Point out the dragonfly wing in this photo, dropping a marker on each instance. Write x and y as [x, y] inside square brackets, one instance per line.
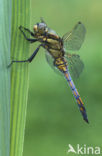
[50, 61]
[74, 39]
[75, 64]
[42, 20]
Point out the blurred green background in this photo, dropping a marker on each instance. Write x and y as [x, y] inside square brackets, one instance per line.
[53, 118]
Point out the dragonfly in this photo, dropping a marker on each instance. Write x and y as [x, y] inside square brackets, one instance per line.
[57, 53]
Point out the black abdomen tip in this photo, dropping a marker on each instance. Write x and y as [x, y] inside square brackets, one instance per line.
[86, 120]
[79, 22]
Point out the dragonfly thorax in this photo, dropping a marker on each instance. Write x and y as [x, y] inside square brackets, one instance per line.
[50, 40]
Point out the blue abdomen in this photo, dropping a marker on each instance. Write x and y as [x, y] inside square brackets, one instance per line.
[76, 95]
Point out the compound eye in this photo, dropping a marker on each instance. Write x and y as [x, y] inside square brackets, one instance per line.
[42, 25]
[35, 28]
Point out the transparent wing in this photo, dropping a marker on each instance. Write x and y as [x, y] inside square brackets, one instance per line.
[42, 20]
[50, 61]
[74, 39]
[75, 64]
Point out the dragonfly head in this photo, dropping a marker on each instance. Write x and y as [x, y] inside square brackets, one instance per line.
[40, 28]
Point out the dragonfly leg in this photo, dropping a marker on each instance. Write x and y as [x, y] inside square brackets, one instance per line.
[29, 59]
[34, 53]
[32, 34]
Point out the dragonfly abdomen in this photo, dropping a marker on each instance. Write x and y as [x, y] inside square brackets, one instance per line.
[61, 64]
[76, 95]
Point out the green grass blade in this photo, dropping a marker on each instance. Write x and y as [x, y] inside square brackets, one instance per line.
[5, 37]
[19, 75]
